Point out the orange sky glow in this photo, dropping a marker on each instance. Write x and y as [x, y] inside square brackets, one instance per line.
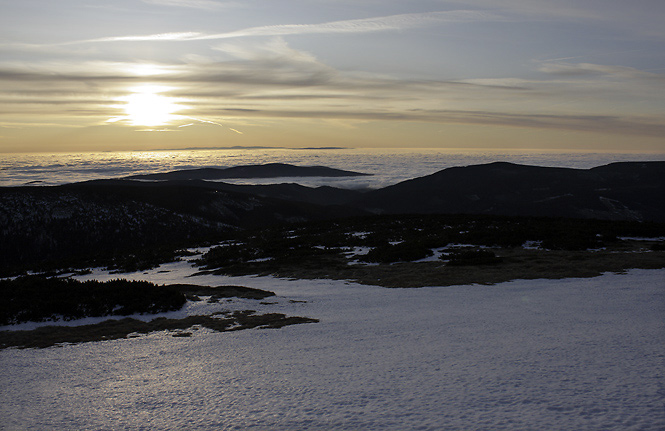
[158, 74]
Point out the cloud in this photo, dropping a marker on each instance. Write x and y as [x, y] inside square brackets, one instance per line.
[608, 124]
[354, 26]
[30, 125]
[589, 69]
[262, 68]
[573, 9]
[274, 50]
[270, 79]
[196, 4]
[366, 25]
[642, 17]
[159, 37]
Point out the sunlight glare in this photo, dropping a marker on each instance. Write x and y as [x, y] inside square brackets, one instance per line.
[147, 107]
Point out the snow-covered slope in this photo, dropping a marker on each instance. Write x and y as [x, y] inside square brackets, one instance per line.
[540, 354]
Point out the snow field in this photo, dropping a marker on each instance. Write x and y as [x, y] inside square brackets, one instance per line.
[539, 354]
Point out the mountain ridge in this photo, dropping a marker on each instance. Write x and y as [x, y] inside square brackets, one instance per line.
[119, 216]
[618, 191]
[268, 170]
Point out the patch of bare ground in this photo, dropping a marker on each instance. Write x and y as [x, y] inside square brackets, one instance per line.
[514, 263]
[128, 328]
[22, 294]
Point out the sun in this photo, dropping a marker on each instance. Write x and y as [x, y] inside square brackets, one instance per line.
[147, 107]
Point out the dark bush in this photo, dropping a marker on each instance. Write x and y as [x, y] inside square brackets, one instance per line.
[225, 255]
[38, 299]
[406, 251]
[572, 241]
[658, 247]
[472, 257]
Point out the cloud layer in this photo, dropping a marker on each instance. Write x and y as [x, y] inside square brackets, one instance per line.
[354, 26]
[272, 80]
[196, 4]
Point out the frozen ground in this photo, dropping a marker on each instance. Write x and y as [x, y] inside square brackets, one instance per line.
[582, 354]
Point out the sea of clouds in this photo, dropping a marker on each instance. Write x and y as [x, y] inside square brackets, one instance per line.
[387, 166]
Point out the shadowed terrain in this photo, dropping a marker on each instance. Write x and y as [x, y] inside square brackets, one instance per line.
[441, 250]
[618, 191]
[133, 225]
[270, 170]
[38, 299]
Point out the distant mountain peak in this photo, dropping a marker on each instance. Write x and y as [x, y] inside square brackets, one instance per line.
[268, 170]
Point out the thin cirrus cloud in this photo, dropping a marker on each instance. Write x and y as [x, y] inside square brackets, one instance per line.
[386, 23]
[195, 4]
[626, 126]
[365, 25]
[590, 69]
[643, 18]
[143, 38]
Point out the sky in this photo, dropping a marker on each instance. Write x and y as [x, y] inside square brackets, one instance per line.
[95, 75]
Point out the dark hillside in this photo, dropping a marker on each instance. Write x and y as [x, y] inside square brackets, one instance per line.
[620, 191]
[137, 224]
[50, 226]
[270, 170]
[234, 206]
[324, 195]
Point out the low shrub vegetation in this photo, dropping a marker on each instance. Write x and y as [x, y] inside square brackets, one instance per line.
[406, 251]
[472, 257]
[48, 336]
[397, 243]
[33, 298]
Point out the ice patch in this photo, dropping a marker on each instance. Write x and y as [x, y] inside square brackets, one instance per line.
[261, 259]
[435, 257]
[532, 245]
